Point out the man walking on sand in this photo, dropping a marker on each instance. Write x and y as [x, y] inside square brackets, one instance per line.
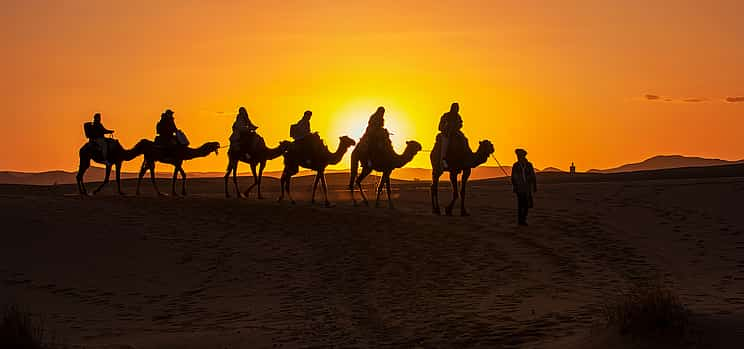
[524, 182]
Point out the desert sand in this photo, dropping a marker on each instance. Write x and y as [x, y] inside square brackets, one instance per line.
[209, 272]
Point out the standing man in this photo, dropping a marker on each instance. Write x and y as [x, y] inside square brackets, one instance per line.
[524, 182]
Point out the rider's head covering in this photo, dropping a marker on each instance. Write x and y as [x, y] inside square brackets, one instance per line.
[242, 111]
[307, 114]
[97, 117]
[455, 107]
[380, 110]
[520, 152]
[167, 114]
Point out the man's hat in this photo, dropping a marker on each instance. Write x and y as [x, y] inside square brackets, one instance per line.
[520, 152]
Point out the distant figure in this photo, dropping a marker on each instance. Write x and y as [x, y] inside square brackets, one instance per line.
[450, 125]
[96, 133]
[166, 129]
[572, 169]
[243, 128]
[524, 182]
[301, 129]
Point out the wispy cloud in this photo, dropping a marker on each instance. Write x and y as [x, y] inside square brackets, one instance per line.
[652, 97]
[735, 99]
[694, 100]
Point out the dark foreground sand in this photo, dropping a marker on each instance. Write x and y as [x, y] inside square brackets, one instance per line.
[208, 272]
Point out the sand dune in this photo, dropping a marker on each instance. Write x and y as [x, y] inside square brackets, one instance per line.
[209, 272]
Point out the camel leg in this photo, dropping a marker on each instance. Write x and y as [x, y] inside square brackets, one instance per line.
[105, 179]
[365, 172]
[231, 167]
[324, 186]
[261, 168]
[380, 186]
[386, 179]
[173, 182]
[281, 186]
[289, 193]
[141, 174]
[151, 168]
[464, 182]
[255, 180]
[315, 186]
[183, 180]
[435, 192]
[455, 193]
[118, 178]
[84, 165]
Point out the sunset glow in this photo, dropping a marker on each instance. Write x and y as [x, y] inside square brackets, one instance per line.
[569, 85]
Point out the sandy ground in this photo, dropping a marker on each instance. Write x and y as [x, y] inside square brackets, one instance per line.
[209, 272]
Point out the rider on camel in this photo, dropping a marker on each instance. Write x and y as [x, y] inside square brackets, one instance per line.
[450, 125]
[376, 137]
[96, 134]
[166, 130]
[243, 128]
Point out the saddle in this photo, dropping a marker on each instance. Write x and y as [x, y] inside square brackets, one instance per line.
[457, 143]
[308, 148]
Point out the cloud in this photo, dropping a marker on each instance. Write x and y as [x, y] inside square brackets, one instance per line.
[694, 100]
[735, 99]
[652, 97]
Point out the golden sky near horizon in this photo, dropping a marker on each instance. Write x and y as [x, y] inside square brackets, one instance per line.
[567, 80]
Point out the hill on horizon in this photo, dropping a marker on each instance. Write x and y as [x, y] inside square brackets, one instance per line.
[482, 172]
[661, 162]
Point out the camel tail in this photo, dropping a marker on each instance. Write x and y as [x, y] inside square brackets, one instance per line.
[353, 171]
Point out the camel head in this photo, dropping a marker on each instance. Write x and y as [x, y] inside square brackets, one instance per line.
[345, 142]
[212, 147]
[485, 147]
[413, 147]
[284, 144]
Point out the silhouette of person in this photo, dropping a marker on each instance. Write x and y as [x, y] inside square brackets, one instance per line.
[243, 128]
[166, 129]
[301, 129]
[572, 169]
[450, 125]
[376, 138]
[96, 133]
[524, 182]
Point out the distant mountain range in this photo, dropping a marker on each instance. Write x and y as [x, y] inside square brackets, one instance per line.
[667, 161]
[482, 172]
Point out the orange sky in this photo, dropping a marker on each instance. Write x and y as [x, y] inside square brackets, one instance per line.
[564, 79]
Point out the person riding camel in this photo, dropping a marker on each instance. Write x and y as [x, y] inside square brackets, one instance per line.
[376, 138]
[96, 133]
[450, 126]
[166, 130]
[243, 129]
[301, 129]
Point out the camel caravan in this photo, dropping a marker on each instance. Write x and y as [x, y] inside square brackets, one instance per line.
[373, 152]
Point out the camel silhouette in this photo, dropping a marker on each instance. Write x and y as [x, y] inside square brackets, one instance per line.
[384, 163]
[256, 156]
[175, 157]
[460, 158]
[311, 153]
[116, 156]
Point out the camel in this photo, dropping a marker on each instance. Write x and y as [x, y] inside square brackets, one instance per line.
[116, 156]
[384, 163]
[311, 153]
[460, 158]
[258, 156]
[175, 157]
